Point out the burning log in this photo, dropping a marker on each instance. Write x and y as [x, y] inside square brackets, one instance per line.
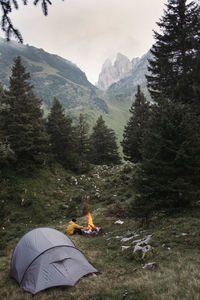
[91, 229]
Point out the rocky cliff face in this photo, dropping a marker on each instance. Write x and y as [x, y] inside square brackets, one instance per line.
[110, 74]
[126, 88]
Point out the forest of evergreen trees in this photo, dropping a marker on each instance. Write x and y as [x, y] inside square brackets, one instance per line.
[28, 140]
[162, 137]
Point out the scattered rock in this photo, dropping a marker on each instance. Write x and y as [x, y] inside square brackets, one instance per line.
[118, 237]
[22, 202]
[125, 295]
[125, 247]
[132, 233]
[150, 265]
[164, 245]
[127, 239]
[146, 240]
[65, 206]
[119, 222]
[143, 250]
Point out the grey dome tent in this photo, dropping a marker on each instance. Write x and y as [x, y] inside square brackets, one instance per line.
[45, 257]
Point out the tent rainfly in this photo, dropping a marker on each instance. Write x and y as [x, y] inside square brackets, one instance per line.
[45, 257]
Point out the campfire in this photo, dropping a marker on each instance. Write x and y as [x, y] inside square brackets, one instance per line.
[91, 229]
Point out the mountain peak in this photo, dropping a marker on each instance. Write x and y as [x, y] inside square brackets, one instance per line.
[107, 64]
[121, 56]
[113, 73]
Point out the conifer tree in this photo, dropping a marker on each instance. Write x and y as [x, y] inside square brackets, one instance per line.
[1, 110]
[196, 85]
[174, 52]
[23, 120]
[5, 151]
[104, 149]
[61, 132]
[135, 128]
[83, 144]
[169, 174]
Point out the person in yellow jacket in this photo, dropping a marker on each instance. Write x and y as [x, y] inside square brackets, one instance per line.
[73, 228]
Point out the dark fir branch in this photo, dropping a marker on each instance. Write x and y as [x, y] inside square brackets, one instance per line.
[6, 23]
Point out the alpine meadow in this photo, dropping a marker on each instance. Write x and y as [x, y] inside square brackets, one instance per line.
[100, 183]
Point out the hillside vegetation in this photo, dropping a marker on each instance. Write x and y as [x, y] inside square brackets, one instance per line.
[50, 197]
[52, 76]
[148, 209]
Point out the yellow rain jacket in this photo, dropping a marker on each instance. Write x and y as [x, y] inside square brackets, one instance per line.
[71, 226]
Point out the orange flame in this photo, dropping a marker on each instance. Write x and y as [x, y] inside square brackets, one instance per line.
[91, 225]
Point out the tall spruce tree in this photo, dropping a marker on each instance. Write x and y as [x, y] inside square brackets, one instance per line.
[196, 85]
[23, 120]
[104, 149]
[4, 147]
[1, 120]
[6, 153]
[61, 132]
[135, 128]
[169, 174]
[174, 52]
[83, 144]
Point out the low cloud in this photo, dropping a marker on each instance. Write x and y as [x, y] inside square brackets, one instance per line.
[87, 32]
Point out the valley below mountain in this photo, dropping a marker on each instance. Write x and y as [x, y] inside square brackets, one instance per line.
[54, 76]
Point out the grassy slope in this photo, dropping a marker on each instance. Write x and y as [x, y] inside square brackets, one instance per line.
[176, 275]
[116, 119]
[51, 75]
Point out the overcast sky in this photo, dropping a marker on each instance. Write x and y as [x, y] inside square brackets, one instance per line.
[86, 32]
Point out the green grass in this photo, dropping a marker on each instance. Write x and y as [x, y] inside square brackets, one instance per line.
[175, 241]
[116, 119]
